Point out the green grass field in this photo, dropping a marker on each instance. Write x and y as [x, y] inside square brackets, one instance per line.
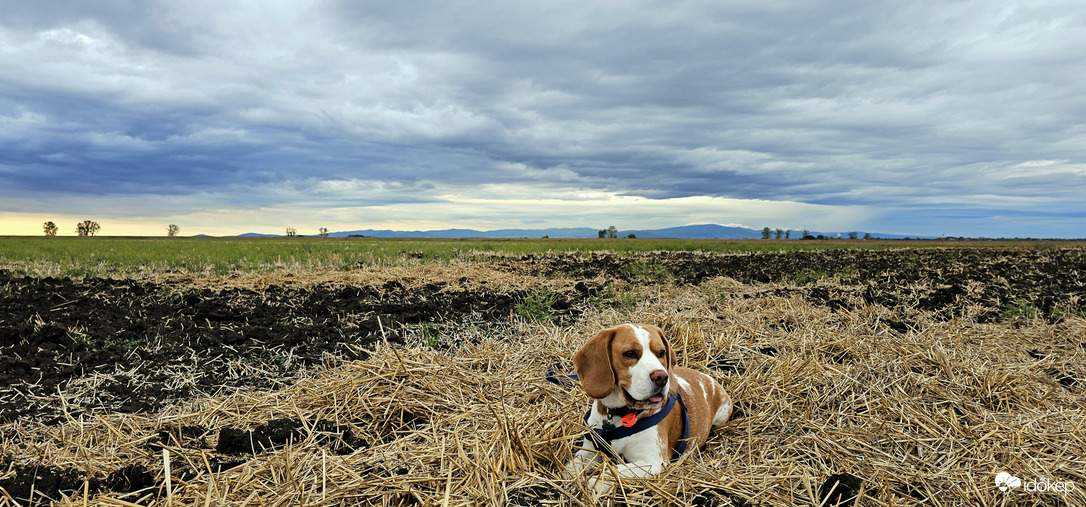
[128, 257]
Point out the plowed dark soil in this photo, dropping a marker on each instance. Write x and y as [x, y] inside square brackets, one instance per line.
[145, 345]
[943, 281]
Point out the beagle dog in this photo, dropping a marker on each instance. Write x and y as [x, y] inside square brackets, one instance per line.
[646, 409]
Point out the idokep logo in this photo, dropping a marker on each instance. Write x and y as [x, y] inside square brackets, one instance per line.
[1005, 481]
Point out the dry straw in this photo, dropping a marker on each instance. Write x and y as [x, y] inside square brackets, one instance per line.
[923, 416]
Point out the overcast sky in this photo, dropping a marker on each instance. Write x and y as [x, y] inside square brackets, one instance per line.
[922, 118]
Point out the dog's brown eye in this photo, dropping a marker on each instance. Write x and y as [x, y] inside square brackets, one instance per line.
[660, 354]
[630, 354]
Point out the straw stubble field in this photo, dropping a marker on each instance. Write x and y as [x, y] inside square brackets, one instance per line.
[909, 377]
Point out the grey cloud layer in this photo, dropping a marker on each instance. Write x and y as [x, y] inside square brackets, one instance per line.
[906, 105]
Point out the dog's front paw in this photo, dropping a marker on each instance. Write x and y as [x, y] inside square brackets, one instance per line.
[574, 469]
[601, 486]
[581, 462]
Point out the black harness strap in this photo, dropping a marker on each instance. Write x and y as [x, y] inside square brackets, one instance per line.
[686, 431]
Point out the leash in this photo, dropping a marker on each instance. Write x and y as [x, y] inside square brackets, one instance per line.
[558, 379]
[602, 437]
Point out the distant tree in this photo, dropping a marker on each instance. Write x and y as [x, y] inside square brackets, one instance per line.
[87, 228]
[291, 232]
[172, 230]
[612, 232]
[632, 236]
[50, 229]
[867, 235]
[766, 232]
[603, 234]
[853, 235]
[778, 233]
[324, 232]
[806, 234]
[788, 234]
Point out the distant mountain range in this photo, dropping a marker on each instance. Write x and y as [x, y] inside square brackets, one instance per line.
[705, 231]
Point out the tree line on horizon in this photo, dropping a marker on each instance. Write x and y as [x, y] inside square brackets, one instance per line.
[768, 233]
[84, 228]
[89, 228]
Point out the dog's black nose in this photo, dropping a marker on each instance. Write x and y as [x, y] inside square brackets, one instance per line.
[659, 377]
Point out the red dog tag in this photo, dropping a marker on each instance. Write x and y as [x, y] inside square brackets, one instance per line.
[629, 420]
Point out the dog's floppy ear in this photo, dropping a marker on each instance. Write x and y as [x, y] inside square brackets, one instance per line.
[669, 350]
[593, 363]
